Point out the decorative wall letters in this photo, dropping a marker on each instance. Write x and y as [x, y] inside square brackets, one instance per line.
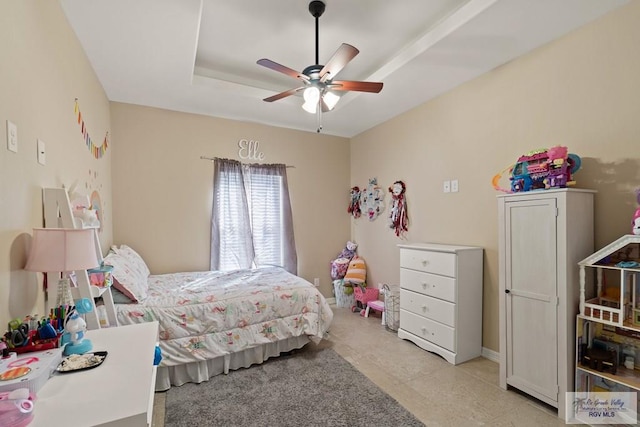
[249, 149]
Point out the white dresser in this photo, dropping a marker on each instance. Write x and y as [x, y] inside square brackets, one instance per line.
[441, 299]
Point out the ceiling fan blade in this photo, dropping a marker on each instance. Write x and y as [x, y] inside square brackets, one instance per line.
[283, 94]
[343, 55]
[345, 85]
[282, 69]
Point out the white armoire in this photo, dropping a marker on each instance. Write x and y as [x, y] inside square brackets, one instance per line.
[543, 235]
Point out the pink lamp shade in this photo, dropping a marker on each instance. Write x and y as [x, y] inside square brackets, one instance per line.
[62, 249]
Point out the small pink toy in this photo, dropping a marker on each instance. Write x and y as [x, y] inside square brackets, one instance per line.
[16, 408]
[635, 229]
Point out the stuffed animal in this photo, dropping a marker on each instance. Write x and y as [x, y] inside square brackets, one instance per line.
[340, 265]
[636, 223]
[349, 251]
[357, 272]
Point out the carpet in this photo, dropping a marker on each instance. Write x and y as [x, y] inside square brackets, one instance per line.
[302, 388]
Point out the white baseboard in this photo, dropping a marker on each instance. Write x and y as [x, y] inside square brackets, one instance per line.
[491, 355]
[331, 301]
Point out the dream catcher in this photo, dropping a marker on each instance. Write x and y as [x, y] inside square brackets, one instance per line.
[398, 217]
[354, 203]
[372, 200]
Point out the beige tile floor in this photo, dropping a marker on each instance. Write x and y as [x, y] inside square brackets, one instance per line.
[436, 392]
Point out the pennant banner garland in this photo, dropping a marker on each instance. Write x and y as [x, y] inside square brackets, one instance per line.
[97, 151]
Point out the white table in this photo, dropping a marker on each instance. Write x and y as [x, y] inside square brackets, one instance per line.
[117, 393]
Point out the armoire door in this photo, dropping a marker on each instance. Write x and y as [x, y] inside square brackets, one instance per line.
[532, 297]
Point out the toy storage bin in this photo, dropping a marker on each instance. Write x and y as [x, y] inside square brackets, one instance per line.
[101, 276]
[342, 299]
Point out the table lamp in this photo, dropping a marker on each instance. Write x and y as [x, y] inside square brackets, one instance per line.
[62, 250]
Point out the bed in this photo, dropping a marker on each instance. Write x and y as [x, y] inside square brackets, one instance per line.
[212, 321]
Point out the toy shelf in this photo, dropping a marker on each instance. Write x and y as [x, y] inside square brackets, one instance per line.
[592, 334]
[626, 377]
[609, 318]
[96, 292]
[58, 213]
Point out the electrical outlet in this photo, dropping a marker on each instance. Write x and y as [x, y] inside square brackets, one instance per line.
[454, 185]
[316, 282]
[12, 137]
[446, 187]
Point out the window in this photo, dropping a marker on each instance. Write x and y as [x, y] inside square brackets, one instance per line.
[264, 197]
[251, 220]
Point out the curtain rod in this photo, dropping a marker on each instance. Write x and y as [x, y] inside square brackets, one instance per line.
[219, 158]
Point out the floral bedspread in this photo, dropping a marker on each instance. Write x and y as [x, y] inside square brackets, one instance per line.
[204, 315]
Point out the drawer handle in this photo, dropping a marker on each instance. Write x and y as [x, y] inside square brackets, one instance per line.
[424, 285]
[425, 308]
[424, 262]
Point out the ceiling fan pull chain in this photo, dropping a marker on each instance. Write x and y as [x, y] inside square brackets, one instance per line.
[319, 116]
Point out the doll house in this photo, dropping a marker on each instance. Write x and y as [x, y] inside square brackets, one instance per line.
[612, 272]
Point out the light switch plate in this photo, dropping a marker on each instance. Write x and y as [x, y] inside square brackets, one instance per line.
[12, 137]
[446, 187]
[41, 153]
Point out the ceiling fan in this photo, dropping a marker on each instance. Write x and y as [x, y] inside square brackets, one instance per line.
[318, 81]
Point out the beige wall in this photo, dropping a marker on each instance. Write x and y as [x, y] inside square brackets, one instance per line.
[581, 91]
[43, 70]
[163, 190]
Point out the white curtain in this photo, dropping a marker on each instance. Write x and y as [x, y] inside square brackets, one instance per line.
[251, 223]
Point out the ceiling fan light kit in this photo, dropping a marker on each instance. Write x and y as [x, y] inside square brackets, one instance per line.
[318, 85]
[311, 97]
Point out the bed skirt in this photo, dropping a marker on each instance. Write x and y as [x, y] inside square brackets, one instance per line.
[197, 372]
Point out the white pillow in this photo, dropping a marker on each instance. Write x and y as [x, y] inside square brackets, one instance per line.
[133, 258]
[128, 277]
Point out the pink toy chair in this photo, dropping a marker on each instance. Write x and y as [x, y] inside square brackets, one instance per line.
[363, 296]
[376, 305]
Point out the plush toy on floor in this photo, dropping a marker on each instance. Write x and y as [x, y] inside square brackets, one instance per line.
[339, 268]
[340, 265]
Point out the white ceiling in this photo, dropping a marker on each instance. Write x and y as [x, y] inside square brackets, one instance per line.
[199, 56]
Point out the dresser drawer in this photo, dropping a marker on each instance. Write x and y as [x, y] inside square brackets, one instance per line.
[430, 262]
[433, 308]
[435, 332]
[428, 284]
